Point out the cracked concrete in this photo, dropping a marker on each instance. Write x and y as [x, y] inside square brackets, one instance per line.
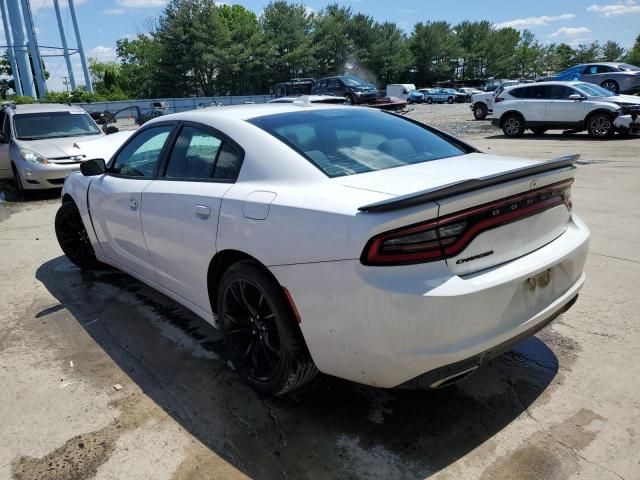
[561, 405]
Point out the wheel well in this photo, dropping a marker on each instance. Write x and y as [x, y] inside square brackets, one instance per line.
[591, 114]
[479, 104]
[510, 112]
[609, 80]
[220, 263]
[66, 198]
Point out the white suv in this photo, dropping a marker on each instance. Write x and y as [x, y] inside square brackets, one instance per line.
[571, 106]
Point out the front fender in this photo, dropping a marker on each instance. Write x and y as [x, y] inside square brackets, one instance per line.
[76, 187]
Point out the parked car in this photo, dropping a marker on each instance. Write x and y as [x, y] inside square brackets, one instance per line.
[615, 76]
[294, 87]
[482, 103]
[468, 92]
[353, 88]
[405, 91]
[334, 239]
[454, 95]
[328, 99]
[37, 143]
[571, 106]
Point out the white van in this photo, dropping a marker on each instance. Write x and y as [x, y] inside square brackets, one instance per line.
[400, 90]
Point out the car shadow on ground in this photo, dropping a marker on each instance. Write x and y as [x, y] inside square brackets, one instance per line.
[336, 429]
[9, 193]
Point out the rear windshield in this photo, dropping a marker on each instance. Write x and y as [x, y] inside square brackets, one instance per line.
[37, 126]
[350, 141]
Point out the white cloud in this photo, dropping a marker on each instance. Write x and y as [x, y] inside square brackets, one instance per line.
[570, 32]
[102, 53]
[616, 9]
[114, 11]
[142, 3]
[534, 21]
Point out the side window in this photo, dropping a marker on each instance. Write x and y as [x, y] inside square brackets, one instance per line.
[560, 92]
[604, 69]
[537, 92]
[334, 84]
[517, 92]
[140, 156]
[228, 164]
[194, 155]
[590, 70]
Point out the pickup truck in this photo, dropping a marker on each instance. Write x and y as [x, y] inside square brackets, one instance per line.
[482, 103]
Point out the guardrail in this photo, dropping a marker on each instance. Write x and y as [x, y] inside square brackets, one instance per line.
[175, 104]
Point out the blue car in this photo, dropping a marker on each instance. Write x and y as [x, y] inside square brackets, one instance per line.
[415, 97]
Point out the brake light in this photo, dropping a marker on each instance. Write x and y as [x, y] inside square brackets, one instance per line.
[498, 99]
[450, 235]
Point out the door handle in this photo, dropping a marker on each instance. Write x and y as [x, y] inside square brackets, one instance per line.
[133, 203]
[203, 211]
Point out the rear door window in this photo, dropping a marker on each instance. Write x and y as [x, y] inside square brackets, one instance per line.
[560, 92]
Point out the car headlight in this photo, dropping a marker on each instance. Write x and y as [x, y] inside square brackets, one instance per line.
[32, 157]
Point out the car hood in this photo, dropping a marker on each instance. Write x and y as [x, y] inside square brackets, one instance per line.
[624, 99]
[57, 147]
[436, 173]
[482, 96]
[105, 146]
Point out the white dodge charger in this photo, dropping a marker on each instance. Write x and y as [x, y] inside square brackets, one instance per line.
[337, 239]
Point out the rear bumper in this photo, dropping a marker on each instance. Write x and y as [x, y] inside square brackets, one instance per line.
[384, 326]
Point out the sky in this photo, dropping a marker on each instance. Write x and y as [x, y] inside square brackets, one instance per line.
[103, 22]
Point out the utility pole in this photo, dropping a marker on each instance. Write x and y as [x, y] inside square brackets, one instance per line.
[65, 47]
[83, 59]
[65, 82]
[33, 49]
[10, 52]
[20, 48]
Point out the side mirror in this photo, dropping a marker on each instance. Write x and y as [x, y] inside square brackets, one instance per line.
[111, 129]
[575, 96]
[90, 168]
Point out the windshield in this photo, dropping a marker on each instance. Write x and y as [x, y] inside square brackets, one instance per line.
[349, 141]
[37, 126]
[594, 90]
[353, 81]
[628, 68]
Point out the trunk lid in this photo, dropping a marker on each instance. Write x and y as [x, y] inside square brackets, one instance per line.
[506, 208]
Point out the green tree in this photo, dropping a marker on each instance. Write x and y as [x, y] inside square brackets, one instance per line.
[588, 52]
[434, 46]
[390, 55]
[529, 55]
[508, 54]
[139, 66]
[612, 51]
[633, 57]
[332, 39]
[286, 29]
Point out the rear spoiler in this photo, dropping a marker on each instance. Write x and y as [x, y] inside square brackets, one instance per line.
[465, 186]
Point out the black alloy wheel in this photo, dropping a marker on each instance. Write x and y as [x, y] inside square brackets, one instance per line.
[513, 125]
[429, 100]
[611, 85]
[73, 238]
[600, 125]
[480, 112]
[261, 338]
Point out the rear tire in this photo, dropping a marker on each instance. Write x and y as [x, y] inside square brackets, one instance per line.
[261, 336]
[429, 100]
[450, 100]
[349, 98]
[480, 111]
[611, 85]
[600, 125]
[513, 125]
[73, 239]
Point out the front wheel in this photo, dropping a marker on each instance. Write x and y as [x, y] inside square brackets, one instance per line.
[429, 100]
[480, 111]
[600, 125]
[350, 99]
[260, 333]
[450, 100]
[513, 125]
[73, 238]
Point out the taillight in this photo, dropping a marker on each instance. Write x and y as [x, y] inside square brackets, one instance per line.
[498, 99]
[450, 235]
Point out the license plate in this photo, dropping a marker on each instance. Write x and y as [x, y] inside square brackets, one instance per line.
[540, 280]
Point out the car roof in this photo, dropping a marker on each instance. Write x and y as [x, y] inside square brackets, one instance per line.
[312, 98]
[244, 112]
[45, 108]
[549, 82]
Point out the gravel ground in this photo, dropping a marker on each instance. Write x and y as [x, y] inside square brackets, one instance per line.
[456, 119]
